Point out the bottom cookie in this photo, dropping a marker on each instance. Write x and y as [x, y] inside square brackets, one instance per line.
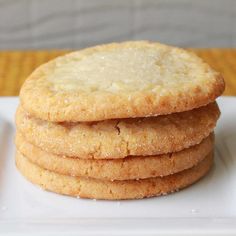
[111, 190]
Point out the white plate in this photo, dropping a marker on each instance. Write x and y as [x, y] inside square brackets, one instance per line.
[207, 207]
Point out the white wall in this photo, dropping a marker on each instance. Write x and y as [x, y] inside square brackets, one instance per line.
[80, 23]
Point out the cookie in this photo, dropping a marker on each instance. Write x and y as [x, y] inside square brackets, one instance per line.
[119, 169]
[112, 190]
[113, 139]
[120, 80]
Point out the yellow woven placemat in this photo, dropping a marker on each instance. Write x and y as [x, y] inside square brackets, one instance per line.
[15, 66]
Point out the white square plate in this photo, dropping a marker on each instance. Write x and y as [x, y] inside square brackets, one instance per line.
[207, 207]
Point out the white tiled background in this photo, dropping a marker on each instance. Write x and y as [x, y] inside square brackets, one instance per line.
[80, 23]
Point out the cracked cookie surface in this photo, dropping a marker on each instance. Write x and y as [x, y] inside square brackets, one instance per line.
[113, 139]
[111, 190]
[119, 169]
[120, 80]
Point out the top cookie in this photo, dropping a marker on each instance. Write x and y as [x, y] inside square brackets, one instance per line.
[120, 80]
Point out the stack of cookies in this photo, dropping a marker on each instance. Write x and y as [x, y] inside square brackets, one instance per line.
[118, 121]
